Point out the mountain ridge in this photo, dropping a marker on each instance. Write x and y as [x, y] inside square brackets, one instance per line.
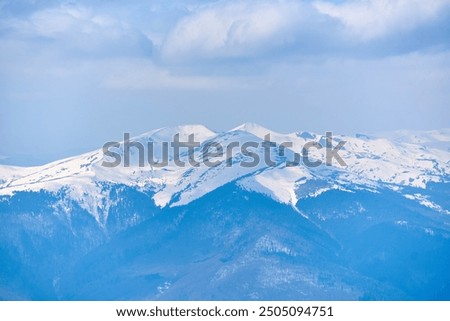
[371, 162]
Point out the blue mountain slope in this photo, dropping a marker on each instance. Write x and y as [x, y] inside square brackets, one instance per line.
[230, 245]
[389, 238]
[40, 238]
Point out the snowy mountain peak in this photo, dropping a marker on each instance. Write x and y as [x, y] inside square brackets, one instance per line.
[254, 129]
[166, 134]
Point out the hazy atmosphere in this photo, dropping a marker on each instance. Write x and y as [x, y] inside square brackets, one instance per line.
[75, 74]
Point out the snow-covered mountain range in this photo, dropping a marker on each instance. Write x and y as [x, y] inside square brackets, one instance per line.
[78, 224]
[408, 159]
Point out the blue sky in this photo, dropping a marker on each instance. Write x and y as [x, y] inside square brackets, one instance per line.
[74, 74]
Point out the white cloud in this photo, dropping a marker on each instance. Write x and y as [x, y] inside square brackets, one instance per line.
[258, 28]
[76, 29]
[369, 19]
[233, 29]
[54, 22]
